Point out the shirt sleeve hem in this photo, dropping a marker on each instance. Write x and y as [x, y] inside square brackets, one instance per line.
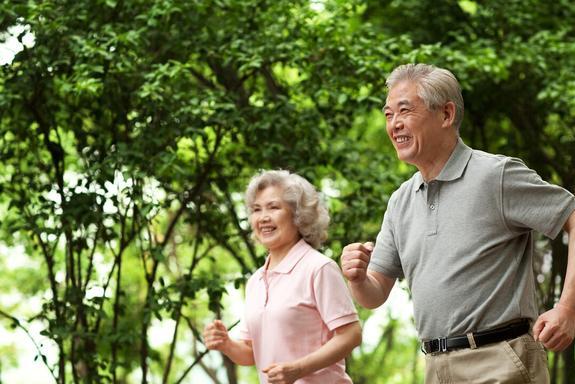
[244, 336]
[562, 220]
[342, 320]
[388, 272]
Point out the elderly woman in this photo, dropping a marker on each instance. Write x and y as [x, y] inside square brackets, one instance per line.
[299, 320]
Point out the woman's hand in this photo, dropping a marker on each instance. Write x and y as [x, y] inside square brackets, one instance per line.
[345, 339]
[282, 373]
[216, 336]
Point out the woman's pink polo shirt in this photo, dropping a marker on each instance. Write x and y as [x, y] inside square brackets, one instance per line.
[294, 309]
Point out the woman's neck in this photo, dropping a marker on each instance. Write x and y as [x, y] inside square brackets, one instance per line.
[278, 254]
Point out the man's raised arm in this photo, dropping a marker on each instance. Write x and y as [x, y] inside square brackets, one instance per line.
[369, 288]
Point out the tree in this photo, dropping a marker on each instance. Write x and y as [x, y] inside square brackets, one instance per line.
[128, 130]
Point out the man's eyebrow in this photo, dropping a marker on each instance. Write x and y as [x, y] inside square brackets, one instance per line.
[401, 103]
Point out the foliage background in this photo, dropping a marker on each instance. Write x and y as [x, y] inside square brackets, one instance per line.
[129, 128]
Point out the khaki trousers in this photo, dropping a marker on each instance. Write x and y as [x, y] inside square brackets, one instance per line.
[517, 361]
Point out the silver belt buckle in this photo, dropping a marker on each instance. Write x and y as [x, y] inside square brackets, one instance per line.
[443, 344]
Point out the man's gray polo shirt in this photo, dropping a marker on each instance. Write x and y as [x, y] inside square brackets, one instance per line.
[464, 241]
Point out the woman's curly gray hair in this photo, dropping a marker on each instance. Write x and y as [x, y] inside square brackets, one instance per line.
[310, 214]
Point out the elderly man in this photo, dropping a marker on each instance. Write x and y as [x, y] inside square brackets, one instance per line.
[461, 233]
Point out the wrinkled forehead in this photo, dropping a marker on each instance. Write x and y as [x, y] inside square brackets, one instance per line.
[402, 94]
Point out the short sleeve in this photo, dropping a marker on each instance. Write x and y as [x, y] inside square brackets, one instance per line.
[531, 203]
[385, 256]
[243, 332]
[333, 299]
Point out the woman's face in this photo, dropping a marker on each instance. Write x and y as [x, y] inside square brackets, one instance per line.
[272, 220]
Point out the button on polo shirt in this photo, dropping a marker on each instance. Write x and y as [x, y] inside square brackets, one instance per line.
[464, 241]
[292, 310]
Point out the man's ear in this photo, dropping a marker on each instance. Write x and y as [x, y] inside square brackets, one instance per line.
[448, 114]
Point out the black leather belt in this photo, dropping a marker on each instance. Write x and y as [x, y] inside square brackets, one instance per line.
[508, 332]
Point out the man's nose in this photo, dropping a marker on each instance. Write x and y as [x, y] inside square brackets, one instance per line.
[396, 122]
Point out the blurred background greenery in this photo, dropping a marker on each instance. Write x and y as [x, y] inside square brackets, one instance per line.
[129, 128]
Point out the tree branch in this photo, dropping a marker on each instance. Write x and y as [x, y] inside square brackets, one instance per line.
[200, 356]
[18, 324]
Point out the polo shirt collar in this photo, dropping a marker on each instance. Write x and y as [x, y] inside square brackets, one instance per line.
[417, 181]
[454, 167]
[295, 254]
[457, 162]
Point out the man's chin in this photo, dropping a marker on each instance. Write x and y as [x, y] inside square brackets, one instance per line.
[403, 155]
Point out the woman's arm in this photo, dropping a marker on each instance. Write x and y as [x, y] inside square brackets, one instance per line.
[216, 337]
[345, 339]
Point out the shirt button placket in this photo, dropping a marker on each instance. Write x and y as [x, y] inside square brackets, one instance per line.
[267, 288]
[432, 197]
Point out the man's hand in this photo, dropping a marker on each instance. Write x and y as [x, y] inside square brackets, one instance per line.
[216, 336]
[282, 373]
[354, 261]
[555, 328]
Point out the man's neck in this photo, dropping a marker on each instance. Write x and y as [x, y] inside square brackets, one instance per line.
[432, 168]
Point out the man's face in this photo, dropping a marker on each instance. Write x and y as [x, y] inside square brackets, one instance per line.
[414, 130]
